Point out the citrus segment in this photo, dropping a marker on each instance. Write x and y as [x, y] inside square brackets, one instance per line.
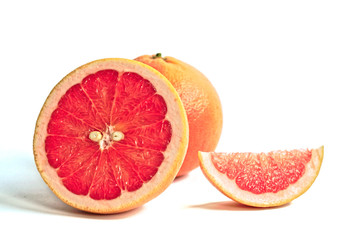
[105, 130]
[262, 179]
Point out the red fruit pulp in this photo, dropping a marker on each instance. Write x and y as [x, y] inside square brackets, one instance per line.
[105, 102]
[263, 172]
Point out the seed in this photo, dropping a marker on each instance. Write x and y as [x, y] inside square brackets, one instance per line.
[117, 136]
[95, 136]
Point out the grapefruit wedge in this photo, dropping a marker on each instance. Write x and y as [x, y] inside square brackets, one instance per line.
[111, 136]
[262, 179]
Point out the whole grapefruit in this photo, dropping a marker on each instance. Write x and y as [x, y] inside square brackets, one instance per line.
[201, 103]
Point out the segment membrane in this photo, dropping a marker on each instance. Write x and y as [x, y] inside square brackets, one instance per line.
[156, 136]
[125, 174]
[144, 161]
[60, 149]
[104, 185]
[80, 179]
[77, 103]
[100, 89]
[131, 91]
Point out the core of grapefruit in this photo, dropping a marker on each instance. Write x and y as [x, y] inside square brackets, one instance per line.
[262, 179]
[111, 136]
[201, 102]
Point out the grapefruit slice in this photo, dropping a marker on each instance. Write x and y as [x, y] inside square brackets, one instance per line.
[111, 136]
[262, 179]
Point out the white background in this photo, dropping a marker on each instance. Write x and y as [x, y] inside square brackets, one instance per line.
[286, 73]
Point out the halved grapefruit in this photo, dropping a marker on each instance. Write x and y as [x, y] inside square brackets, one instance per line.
[111, 136]
[262, 179]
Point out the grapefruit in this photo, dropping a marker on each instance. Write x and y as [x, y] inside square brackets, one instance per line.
[111, 136]
[262, 179]
[201, 102]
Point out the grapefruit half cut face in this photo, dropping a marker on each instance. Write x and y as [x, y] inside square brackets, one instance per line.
[111, 136]
[262, 179]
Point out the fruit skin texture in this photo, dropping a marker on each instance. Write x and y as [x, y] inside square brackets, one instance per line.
[201, 103]
[231, 190]
[134, 199]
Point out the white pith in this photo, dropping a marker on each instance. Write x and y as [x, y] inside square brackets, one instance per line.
[232, 190]
[173, 156]
[108, 137]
